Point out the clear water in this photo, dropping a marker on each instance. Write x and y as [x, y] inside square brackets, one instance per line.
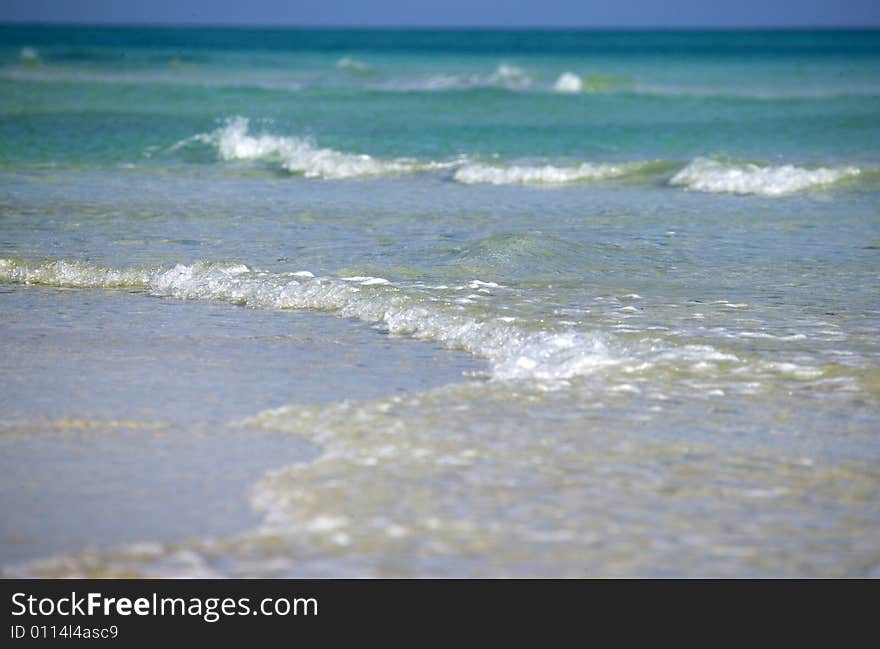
[456, 303]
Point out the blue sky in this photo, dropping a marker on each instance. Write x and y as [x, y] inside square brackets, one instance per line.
[495, 13]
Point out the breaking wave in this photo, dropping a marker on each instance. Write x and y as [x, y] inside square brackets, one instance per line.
[505, 77]
[568, 83]
[72, 274]
[514, 352]
[486, 319]
[476, 173]
[233, 141]
[715, 176]
[352, 65]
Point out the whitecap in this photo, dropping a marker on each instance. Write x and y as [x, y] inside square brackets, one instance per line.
[480, 173]
[715, 176]
[513, 352]
[29, 55]
[568, 83]
[233, 141]
[347, 63]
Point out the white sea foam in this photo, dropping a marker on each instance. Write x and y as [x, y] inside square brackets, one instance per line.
[353, 65]
[505, 71]
[513, 352]
[234, 141]
[29, 55]
[365, 280]
[505, 75]
[511, 77]
[519, 348]
[568, 83]
[708, 175]
[514, 347]
[477, 173]
[72, 274]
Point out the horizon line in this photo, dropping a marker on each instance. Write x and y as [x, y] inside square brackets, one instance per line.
[441, 27]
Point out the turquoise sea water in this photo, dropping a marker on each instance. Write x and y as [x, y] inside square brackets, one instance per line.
[462, 303]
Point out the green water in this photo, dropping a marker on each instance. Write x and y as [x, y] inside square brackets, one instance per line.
[613, 296]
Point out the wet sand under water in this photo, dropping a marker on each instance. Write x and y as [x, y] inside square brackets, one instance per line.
[120, 410]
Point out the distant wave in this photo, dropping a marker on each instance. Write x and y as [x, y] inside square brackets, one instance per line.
[352, 65]
[505, 76]
[30, 65]
[172, 74]
[511, 77]
[357, 71]
[234, 141]
[708, 175]
[748, 94]
[29, 55]
[568, 83]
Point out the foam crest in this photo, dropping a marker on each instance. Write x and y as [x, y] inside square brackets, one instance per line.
[71, 274]
[234, 141]
[568, 83]
[517, 348]
[505, 71]
[352, 65]
[29, 55]
[514, 352]
[510, 76]
[708, 175]
[479, 173]
[505, 76]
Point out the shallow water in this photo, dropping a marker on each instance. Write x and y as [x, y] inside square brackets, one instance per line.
[120, 412]
[485, 304]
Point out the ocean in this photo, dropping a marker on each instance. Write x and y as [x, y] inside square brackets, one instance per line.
[377, 303]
